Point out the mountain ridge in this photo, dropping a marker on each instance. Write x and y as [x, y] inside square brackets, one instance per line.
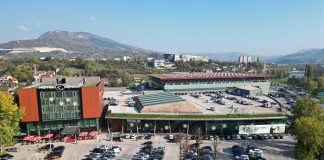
[78, 42]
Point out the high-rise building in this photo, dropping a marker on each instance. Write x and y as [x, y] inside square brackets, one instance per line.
[245, 59]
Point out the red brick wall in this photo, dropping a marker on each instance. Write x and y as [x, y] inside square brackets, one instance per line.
[28, 100]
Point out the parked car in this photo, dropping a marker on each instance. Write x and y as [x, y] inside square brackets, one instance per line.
[13, 149]
[6, 156]
[281, 136]
[270, 136]
[276, 136]
[261, 137]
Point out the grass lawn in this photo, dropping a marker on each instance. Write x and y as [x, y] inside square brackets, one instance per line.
[281, 80]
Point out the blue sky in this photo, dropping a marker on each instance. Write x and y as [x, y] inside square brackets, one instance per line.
[261, 27]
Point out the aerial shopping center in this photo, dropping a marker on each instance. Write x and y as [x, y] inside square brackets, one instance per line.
[217, 103]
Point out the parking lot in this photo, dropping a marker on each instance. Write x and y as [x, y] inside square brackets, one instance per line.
[254, 107]
[81, 150]
[273, 149]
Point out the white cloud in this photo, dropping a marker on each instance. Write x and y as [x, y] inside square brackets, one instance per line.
[38, 24]
[92, 18]
[23, 28]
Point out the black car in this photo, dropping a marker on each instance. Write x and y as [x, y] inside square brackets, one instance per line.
[98, 150]
[148, 143]
[244, 137]
[261, 137]
[254, 137]
[276, 136]
[233, 137]
[266, 136]
[281, 136]
[6, 156]
[237, 150]
[46, 147]
[59, 148]
[228, 137]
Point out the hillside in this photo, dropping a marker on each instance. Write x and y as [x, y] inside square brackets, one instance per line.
[73, 43]
[313, 56]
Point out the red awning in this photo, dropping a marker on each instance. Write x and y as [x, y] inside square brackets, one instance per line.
[58, 135]
[93, 133]
[83, 134]
[48, 135]
[28, 138]
[37, 138]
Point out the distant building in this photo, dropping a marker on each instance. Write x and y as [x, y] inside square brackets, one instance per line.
[8, 81]
[126, 58]
[245, 59]
[158, 63]
[38, 75]
[150, 59]
[296, 74]
[186, 58]
[169, 57]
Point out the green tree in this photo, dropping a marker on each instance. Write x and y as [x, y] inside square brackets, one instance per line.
[127, 79]
[10, 115]
[320, 83]
[259, 66]
[308, 71]
[309, 133]
[307, 108]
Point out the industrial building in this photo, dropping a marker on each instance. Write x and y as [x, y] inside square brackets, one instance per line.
[184, 82]
[57, 103]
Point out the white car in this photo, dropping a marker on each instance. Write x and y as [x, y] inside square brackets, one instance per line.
[116, 149]
[127, 136]
[133, 136]
[170, 137]
[105, 147]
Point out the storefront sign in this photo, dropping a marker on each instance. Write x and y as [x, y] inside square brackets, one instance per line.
[258, 129]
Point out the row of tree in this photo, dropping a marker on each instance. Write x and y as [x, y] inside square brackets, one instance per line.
[308, 125]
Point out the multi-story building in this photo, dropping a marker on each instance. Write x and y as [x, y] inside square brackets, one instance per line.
[245, 59]
[56, 103]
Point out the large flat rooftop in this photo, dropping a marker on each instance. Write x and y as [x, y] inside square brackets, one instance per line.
[204, 75]
[122, 110]
[75, 82]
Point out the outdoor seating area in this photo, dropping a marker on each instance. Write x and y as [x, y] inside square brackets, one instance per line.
[87, 135]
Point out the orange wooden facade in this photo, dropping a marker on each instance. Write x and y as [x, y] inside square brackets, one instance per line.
[29, 101]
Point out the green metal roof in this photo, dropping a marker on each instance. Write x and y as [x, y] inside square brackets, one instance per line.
[159, 98]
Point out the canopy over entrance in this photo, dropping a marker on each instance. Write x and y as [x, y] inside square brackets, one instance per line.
[70, 130]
